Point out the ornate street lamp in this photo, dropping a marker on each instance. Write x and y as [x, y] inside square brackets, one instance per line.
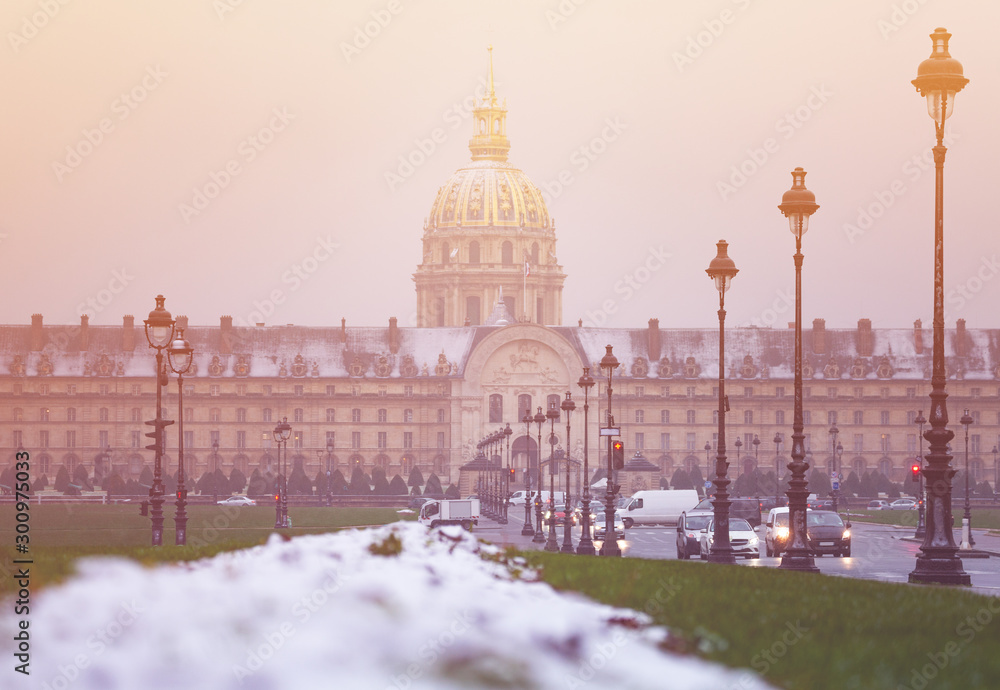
[837, 469]
[159, 333]
[996, 475]
[586, 545]
[756, 468]
[215, 477]
[722, 270]
[527, 530]
[539, 537]
[281, 433]
[179, 356]
[739, 468]
[967, 539]
[708, 461]
[329, 472]
[834, 433]
[921, 524]
[609, 547]
[777, 441]
[568, 406]
[797, 204]
[507, 432]
[939, 78]
[552, 414]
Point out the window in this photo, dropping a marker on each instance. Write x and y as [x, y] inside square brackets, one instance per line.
[747, 391]
[440, 439]
[299, 415]
[102, 414]
[188, 389]
[297, 439]
[885, 443]
[18, 388]
[779, 417]
[831, 392]
[104, 389]
[859, 417]
[382, 440]
[215, 414]
[507, 253]
[911, 443]
[137, 439]
[136, 414]
[779, 392]
[43, 389]
[213, 437]
[71, 389]
[664, 416]
[715, 418]
[17, 415]
[407, 439]
[383, 416]
[807, 417]
[331, 439]
[884, 417]
[331, 390]
[640, 391]
[445, 253]
[266, 390]
[975, 392]
[664, 441]
[690, 442]
[496, 408]
[975, 417]
[265, 414]
[640, 441]
[911, 392]
[690, 391]
[408, 416]
[974, 444]
[911, 417]
[102, 439]
[355, 439]
[473, 252]
[859, 443]
[241, 439]
[382, 391]
[136, 389]
[43, 439]
[665, 391]
[17, 439]
[831, 418]
[356, 414]
[241, 414]
[534, 253]
[355, 391]
[859, 392]
[214, 389]
[523, 405]
[807, 392]
[640, 416]
[188, 414]
[884, 392]
[43, 414]
[70, 414]
[690, 416]
[71, 439]
[299, 390]
[440, 415]
[331, 415]
[241, 389]
[748, 416]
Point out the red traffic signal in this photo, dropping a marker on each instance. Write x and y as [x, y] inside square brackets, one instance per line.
[618, 455]
[915, 472]
[511, 472]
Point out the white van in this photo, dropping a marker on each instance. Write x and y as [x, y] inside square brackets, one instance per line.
[517, 498]
[657, 507]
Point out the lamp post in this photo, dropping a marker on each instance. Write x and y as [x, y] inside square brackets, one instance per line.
[722, 270]
[539, 538]
[996, 474]
[329, 472]
[568, 406]
[609, 547]
[921, 524]
[834, 433]
[939, 78]
[739, 468]
[507, 432]
[756, 469]
[967, 539]
[837, 469]
[179, 356]
[281, 433]
[797, 204]
[215, 476]
[552, 414]
[586, 545]
[708, 461]
[777, 454]
[527, 530]
[159, 333]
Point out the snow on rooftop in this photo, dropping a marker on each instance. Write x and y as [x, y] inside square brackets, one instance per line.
[440, 610]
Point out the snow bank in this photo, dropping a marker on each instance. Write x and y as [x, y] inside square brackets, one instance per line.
[391, 608]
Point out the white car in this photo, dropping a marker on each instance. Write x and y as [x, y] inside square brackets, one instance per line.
[742, 538]
[600, 523]
[237, 501]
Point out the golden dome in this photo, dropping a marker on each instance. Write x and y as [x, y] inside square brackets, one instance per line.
[489, 193]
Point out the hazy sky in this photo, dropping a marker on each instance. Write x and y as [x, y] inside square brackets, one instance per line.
[225, 152]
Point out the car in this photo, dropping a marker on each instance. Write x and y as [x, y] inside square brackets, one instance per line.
[688, 534]
[417, 501]
[742, 538]
[776, 532]
[560, 515]
[237, 501]
[828, 533]
[903, 504]
[600, 527]
[878, 504]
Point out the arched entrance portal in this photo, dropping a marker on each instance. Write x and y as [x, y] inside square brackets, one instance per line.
[524, 456]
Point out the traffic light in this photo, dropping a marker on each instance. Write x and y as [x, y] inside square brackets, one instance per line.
[510, 472]
[915, 472]
[618, 455]
[181, 494]
[157, 433]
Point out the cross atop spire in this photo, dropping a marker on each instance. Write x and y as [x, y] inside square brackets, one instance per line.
[489, 134]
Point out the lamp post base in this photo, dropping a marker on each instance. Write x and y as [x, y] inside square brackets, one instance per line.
[941, 569]
[798, 561]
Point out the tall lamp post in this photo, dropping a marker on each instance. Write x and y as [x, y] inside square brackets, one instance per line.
[281, 433]
[527, 530]
[921, 524]
[777, 455]
[756, 468]
[739, 468]
[708, 462]
[967, 540]
[798, 204]
[329, 472]
[539, 537]
[507, 432]
[586, 545]
[552, 414]
[834, 433]
[939, 78]
[722, 270]
[609, 547]
[568, 406]
[996, 475]
[840, 464]
[215, 476]
[159, 333]
[179, 356]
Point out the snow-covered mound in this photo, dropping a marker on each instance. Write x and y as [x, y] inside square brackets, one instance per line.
[390, 608]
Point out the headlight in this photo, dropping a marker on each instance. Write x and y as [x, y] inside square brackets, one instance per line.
[752, 540]
[781, 533]
[847, 534]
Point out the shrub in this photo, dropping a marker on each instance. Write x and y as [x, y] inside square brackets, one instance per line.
[397, 487]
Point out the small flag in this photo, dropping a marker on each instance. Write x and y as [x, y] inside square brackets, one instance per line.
[527, 269]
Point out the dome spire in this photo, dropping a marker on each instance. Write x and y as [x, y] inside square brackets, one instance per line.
[489, 136]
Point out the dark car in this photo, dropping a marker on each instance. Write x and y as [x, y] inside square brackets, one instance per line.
[828, 533]
[688, 534]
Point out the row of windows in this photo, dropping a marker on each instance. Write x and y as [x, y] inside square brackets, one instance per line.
[473, 253]
[832, 418]
[213, 389]
[639, 391]
[215, 415]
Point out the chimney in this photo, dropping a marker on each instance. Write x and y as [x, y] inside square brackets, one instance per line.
[226, 335]
[84, 333]
[819, 336]
[960, 343]
[128, 333]
[343, 330]
[182, 322]
[918, 337]
[653, 340]
[393, 335]
[36, 332]
[864, 343]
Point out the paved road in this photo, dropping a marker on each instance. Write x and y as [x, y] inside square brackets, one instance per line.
[878, 552]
